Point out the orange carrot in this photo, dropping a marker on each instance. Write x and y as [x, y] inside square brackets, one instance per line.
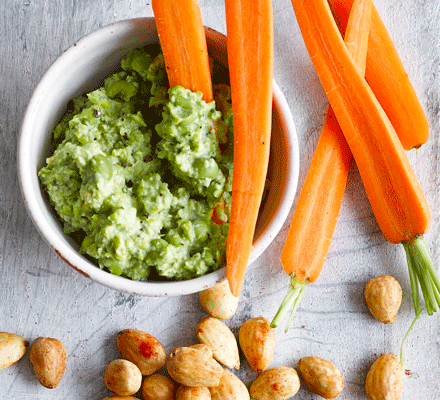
[182, 38]
[250, 57]
[317, 211]
[392, 187]
[388, 80]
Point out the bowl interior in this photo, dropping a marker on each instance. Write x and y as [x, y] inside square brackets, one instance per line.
[82, 68]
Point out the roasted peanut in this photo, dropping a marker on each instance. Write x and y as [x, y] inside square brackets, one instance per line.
[193, 393]
[229, 388]
[12, 348]
[192, 367]
[221, 340]
[158, 387]
[122, 377]
[384, 379]
[203, 347]
[383, 296]
[279, 383]
[257, 341]
[141, 349]
[48, 357]
[321, 376]
[120, 398]
[218, 301]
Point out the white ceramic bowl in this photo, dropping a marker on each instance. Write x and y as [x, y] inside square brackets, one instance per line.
[82, 68]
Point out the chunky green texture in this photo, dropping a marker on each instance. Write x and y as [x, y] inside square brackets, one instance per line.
[137, 171]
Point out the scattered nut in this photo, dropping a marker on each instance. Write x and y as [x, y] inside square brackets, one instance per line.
[321, 376]
[48, 357]
[257, 341]
[203, 347]
[383, 296]
[384, 379]
[12, 348]
[221, 340]
[230, 388]
[120, 398]
[279, 383]
[193, 393]
[141, 349]
[158, 387]
[193, 367]
[122, 377]
[218, 301]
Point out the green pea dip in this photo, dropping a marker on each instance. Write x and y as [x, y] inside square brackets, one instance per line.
[140, 175]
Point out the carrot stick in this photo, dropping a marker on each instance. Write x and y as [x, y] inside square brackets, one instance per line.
[392, 187]
[182, 38]
[250, 54]
[319, 203]
[388, 79]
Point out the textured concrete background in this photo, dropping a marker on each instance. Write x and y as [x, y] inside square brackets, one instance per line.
[41, 296]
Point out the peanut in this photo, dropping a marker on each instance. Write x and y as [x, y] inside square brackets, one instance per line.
[122, 377]
[193, 393]
[48, 357]
[120, 398]
[218, 301]
[383, 296]
[12, 349]
[384, 379]
[203, 347]
[141, 349]
[257, 341]
[192, 367]
[321, 376]
[221, 340]
[279, 383]
[230, 388]
[158, 387]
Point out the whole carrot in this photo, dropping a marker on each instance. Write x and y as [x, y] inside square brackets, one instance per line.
[250, 56]
[319, 203]
[388, 79]
[392, 187]
[182, 38]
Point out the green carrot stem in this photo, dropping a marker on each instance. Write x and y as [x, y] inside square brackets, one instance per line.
[422, 273]
[293, 297]
[402, 359]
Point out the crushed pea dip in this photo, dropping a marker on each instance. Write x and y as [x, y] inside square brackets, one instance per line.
[140, 175]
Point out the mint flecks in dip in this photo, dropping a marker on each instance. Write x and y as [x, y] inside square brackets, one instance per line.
[137, 173]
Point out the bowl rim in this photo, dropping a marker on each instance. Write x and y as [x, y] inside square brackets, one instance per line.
[85, 267]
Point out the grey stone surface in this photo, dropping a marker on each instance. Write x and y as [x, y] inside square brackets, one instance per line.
[41, 296]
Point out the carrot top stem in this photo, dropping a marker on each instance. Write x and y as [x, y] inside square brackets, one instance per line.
[293, 296]
[422, 273]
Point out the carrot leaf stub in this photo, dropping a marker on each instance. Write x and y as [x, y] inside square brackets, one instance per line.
[422, 274]
[293, 297]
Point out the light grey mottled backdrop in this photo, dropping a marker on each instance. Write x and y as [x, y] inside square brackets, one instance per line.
[42, 296]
